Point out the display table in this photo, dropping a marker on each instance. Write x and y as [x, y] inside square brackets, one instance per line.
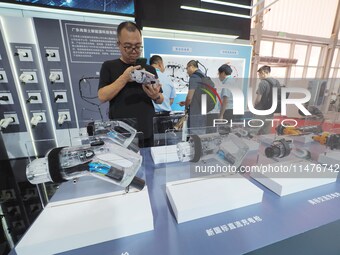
[234, 232]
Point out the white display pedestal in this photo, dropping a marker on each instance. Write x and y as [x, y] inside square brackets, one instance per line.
[164, 154]
[195, 198]
[268, 139]
[330, 158]
[302, 181]
[253, 145]
[75, 223]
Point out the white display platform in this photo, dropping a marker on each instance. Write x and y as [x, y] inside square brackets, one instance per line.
[195, 198]
[268, 139]
[330, 158]
[302, 181]
[75, 223]
[164, 154]
[253, 145]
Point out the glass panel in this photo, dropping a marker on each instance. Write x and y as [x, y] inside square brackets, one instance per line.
[334, 57]
[314, 56]
[300, 53]
[278, 72]
[281, 50]
[296, 72]
[338, 73]
[311, 72]
[266, 48]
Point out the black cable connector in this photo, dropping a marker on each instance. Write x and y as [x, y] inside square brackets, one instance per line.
[31, 98]
[4, 98]
[52, 55]
[58, 97]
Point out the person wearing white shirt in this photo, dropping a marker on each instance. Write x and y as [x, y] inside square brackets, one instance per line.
[168, 88]
[226, 109]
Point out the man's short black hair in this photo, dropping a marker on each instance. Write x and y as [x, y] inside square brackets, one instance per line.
[265, 69]
[193, 63]
[155, 59]
[129, 26]
[225, 69]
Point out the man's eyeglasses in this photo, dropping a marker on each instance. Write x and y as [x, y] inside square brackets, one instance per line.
[131, 48]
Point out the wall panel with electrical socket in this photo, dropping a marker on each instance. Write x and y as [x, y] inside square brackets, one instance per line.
[9, 100]
[26, 81]
[56, 70]
[33, 88]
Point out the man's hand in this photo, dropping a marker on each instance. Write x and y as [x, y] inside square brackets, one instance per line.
[182, 103]
[127, 73]
[152, 90]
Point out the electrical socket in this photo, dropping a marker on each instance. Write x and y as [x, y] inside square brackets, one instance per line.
[37, 94]
[13, 210]
[30, 74]
[67, 113]
[8, 193]
[25, 55]
[3, 77]
[60, 74]
[10, 98]
[14, 116]
[42, 114]
[52, 55]
[61, 100]
[34, 208]
[18, 225]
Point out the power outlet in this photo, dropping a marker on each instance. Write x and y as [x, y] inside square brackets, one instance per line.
[42, 114]
[8, 194]
[14, 116]
[35, 208]
[56, 77]
[18, 225]
[13, 210]
[25, 55]
[34, 94]
[28, 77]
[67, 113]
[9, 99]
[3, 77]
[52, 55]
[30, 193]
[60, 94]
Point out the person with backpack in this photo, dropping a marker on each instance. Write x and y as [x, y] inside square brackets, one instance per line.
[226, 109]
[193, 99]
[264, 96]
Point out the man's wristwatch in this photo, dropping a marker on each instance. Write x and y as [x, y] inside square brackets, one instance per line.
[157, 98]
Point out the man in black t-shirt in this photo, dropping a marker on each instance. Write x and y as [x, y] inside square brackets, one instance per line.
[129, 99]
[193, 100]
[263, 92]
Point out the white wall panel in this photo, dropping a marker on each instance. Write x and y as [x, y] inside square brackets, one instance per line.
[304, 17]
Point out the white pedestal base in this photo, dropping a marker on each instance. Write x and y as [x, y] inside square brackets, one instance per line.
[303, 181]
[330, 158]
[253, 145]
[164, 154]
[268, 139]
[75, 223]
[200, 197]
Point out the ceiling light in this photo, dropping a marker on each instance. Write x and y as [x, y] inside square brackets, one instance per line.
[190, 8]
[228, 4]
[189, 32]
